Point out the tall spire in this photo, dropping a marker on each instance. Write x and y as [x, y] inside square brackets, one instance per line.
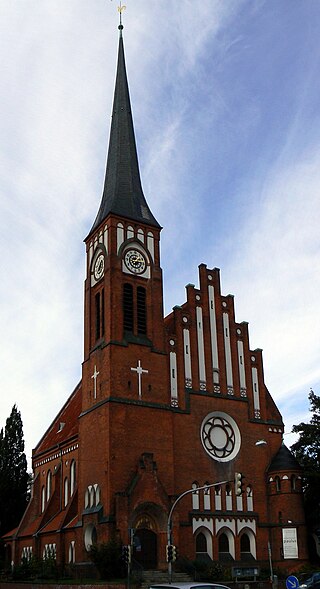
[123, 194]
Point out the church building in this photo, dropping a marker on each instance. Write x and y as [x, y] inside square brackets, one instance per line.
[165, 405]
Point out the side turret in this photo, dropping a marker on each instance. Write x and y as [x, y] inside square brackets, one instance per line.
[286, 506]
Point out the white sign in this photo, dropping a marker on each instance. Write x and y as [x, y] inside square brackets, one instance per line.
[290, 543]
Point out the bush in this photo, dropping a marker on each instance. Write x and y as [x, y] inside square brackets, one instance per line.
[107, 558]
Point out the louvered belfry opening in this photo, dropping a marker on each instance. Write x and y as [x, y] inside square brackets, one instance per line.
[141, 311]
[128, 323]
[134, 309]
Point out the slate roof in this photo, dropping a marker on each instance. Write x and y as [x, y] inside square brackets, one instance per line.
[284, 460]
[123, 194]
[57, 433]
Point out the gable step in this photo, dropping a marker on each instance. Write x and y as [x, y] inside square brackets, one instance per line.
[155, 577]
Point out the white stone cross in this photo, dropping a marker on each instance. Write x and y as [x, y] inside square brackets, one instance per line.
[95, 376]
[139, 370]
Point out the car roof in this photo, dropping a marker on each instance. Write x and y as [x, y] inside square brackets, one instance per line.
[186, 585]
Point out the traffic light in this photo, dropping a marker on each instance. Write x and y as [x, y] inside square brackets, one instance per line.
[238, 483]
[126, 554]
[171, 552]
[174, 553]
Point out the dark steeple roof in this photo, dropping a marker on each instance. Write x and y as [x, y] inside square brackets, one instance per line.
[123, 194]
[284, 460]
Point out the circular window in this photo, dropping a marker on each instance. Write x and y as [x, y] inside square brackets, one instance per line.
[90, 536]
[220, 436]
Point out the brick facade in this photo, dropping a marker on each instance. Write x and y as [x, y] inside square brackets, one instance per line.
[165, 404]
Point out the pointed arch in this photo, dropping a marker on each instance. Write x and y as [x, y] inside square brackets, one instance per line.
[228, 497]
[293, 481]
[73, 474]
[226, 545]
[207, 497]
[217, 498]
[66, 491]
[249, 493]
[203, 542]
[43, 498]
[248, 549]
[49, 484]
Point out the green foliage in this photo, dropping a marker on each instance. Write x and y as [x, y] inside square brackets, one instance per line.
[107, 558]
[13, 473]
[35, 569]
[216, 572]
[307, 451]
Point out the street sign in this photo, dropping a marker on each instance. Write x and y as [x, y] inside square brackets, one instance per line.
[292, 582]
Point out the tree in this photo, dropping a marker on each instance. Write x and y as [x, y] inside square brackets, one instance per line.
[307, 452]
[13, 473]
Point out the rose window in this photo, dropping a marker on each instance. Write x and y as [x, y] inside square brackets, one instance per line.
[220, 436]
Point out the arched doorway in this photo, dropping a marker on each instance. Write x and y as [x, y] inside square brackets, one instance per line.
[145, 548]
[149, 522]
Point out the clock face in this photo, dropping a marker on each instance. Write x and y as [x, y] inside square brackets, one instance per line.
[99, 267]
[135, 261]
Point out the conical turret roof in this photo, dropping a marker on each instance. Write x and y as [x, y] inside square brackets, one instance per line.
[123, 194]
[284, 460]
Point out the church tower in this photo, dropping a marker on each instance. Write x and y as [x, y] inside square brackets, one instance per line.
[125, 360]
[123, 290]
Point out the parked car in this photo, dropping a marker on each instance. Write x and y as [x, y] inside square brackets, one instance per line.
[312, 582]
[188, 586]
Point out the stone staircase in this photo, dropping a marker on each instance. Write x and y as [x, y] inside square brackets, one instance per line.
[158, 577]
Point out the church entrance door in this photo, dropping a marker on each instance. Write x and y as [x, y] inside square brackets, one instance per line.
[146, 548]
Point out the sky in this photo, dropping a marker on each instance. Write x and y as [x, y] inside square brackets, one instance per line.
[225, 99]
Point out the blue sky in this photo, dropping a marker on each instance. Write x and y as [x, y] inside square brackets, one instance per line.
[225, 97]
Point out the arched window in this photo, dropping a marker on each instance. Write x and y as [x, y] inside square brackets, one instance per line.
[293, 482]
[43, 498]
[134, 309]
[90, 536]
[72, 477]
[91, 496]
[223, 547]
[245, 551]
[140, 235]
[66, 491]
[128, 307]
[201, 544]
[86, 498]
[72, 552]
[97, 494]
[49, 484]
[217, 498]
[278, 484]
[228, 498]
[195, 496]
[226, 546]
[141, 311]
[249, 498]
[248, 550]
[99, 313]
[130, 232]
[206, 497]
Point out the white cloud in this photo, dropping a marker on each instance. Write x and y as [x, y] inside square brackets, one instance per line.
[57, 66]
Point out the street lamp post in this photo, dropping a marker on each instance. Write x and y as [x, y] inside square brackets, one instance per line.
[169, 525]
